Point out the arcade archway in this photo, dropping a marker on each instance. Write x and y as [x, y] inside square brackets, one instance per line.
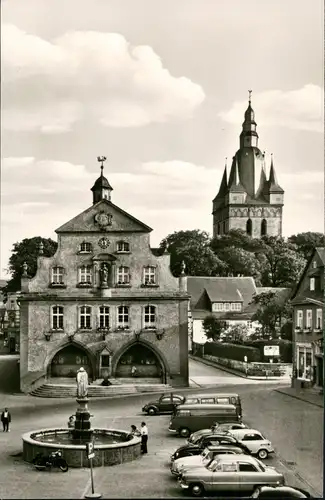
[139, 361]
[68, 360]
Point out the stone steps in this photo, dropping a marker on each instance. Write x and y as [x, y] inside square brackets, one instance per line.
[95, 391]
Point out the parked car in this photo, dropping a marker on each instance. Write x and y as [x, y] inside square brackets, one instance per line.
[241, 473]
[255, 441]
[226, 426]
[165, 404]
[215, 399]
[212, 439]
[203, 459]
[282, 492]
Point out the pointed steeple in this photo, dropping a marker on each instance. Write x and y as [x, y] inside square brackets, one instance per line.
[102, 188]
[249, 136]
[234, 179]
[263, 186]
[273, 182]
[224, 185]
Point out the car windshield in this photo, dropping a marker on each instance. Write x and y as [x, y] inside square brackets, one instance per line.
[260, 464]
[205, 452]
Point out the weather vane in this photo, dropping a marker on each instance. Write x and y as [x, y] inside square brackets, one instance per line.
[250, 95]
[101, 160]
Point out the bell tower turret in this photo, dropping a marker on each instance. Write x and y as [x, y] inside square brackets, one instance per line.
[102, 188]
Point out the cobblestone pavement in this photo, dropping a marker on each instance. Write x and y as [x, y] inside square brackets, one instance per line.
[294, 427]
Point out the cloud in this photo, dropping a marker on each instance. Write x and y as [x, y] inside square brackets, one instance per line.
[51, 85]
[299, 109]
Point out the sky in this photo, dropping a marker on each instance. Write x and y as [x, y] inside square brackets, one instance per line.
[160, 89]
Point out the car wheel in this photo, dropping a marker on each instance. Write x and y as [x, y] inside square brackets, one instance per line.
[262, 454]
[152, 411]
[196, 490]
[184, 432]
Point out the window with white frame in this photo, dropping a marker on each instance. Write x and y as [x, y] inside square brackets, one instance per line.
[238, 306]
[217, 306]
[249, 324]
[227, 306]
[85, 274]
[233, 306]
[311, 284]
[104, 317]
[149, 275]
[304, 362]
[299, 319]
[57, 275]
[150, 319]
[85, 318]
[123, 275]
[57, 318]
[309, 318]
[319, 319]
[123, 317]
[85, 247]
[123, 246]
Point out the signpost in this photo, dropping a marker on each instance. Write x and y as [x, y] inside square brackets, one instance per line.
[271, 350]
[91, 454]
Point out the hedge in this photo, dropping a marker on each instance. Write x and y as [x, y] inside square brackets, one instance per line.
[284, 345]
[232, 351]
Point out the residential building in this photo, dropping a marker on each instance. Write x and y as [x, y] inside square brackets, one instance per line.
[106, 301]
[308, 323]
[241, 203]
[228, 299]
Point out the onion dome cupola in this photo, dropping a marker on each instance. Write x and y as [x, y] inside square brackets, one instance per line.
[249, 136]
[102, 188]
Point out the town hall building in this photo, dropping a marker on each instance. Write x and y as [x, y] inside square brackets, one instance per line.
[105, 301]
[242, 202]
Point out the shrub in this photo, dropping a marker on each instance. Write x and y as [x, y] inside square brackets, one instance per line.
[232, 351]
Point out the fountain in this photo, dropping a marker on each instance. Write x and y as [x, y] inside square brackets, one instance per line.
[111, 446]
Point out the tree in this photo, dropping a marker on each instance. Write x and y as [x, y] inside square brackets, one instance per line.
[27, 251]
[235, 238]
[281, 264]
[213, 327]
[271, 312]
[306, 242]
[241, 262]
[236, 334]
[192, 247]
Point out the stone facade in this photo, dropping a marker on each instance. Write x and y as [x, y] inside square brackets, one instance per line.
[105, 293]
[241, 203]
[308, 323]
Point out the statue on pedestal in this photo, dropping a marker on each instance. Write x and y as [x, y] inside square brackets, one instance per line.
[103, 273]
[82, 383]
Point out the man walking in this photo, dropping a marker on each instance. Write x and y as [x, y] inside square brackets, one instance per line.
[5, 419]
[144, 438]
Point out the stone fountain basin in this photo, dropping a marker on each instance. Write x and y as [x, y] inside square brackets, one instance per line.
[126, 450]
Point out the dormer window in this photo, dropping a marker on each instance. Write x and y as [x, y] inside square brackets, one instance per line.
[314, 264]
[149, 275]
[311, 284]
[57, 276]
[85, 247]
[123, 247]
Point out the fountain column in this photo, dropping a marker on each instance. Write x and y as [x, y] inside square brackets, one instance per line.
[82, 431]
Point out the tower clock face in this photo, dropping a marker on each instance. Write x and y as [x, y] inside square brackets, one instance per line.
[103, 243]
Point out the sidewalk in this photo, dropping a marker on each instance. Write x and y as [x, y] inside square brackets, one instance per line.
[237, 373]
[307, 395]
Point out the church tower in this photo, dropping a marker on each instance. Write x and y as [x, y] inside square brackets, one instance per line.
[102, 188]
[241, 202]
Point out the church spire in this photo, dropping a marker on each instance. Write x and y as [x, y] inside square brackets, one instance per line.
[224, 185]
[234, 179]
[249, 136]
[263, 187]
[273, 182]
[102, 188]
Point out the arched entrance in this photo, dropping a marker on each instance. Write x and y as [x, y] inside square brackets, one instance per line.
[68, 360]
[145, 361]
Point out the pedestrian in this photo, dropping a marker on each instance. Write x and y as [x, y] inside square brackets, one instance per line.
[71, 421]
[133, 371]
[5, 419]
[135, 431]
[144, 438]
